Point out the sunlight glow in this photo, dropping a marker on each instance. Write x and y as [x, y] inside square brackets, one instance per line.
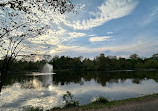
[52, 51]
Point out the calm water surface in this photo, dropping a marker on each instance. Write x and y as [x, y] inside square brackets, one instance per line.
[33, 89]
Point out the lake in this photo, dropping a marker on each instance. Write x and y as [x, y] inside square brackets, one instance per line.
[32, 89]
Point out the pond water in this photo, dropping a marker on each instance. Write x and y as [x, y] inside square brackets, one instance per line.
[33, 89]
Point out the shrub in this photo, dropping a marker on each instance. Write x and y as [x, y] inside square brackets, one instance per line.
[33, 109]
[100, 100]
[69, 100]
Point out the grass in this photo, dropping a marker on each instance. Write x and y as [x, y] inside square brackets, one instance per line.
[70, 100]
[33, 109]
[116, 103]
[102, 102]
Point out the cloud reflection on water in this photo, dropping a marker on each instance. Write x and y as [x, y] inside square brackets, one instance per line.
[38, 93]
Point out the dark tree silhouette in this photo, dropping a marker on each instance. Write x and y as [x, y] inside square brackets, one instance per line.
[20, 22]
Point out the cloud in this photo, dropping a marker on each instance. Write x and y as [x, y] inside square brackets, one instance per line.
[80, 7]
[98, 39]
[92, 35]
[109, 33]
[139, 46]
[76, 34]
[152, 16]
[51, 41]
[109, 10]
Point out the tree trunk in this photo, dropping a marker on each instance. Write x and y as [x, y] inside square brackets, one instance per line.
[3, 73]
[3, 77]
[1, 80]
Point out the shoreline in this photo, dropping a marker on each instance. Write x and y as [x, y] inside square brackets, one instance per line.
[113, 105]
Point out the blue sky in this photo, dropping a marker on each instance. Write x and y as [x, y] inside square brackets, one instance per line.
[112, 27]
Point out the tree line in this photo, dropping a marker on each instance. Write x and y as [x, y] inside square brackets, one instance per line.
[100, 62]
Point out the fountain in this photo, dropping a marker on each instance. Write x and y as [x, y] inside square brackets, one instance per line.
[47, 73]
[47, 77]
[47, 70]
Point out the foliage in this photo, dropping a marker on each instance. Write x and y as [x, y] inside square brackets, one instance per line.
[25, 5]
[101, 63]
[69, 100]
[118, 102]
[105, 63]
[55, 108]
[21, 21]
[134, 57]
[33, 109]
[100, 100]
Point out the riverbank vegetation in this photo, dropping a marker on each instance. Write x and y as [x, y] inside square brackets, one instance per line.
[111, 104]
[102, 103]
[99, 63]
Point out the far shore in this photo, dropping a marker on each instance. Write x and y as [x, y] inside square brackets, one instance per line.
[58, 70]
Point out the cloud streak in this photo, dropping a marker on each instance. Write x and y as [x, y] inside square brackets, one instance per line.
[99, 39]
[109, 10]
[152, 16]
[140, 47]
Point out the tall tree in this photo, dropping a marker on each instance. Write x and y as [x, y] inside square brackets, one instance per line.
[134, 57]
[21, 21]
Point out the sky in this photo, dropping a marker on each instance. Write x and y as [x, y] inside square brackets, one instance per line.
[113, 27]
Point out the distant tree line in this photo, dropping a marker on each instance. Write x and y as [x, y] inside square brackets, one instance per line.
[101, 63]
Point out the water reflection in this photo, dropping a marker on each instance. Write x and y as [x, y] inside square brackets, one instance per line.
[104, 77]
[34, 83]
[46, 91]
[45, 82]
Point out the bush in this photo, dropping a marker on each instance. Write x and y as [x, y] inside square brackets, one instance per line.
[69, 100]
[100, 100]
[55, 108]
[33, 109]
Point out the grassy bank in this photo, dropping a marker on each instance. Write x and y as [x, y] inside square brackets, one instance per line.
[107, 105]
[102, 103]
[119, 102]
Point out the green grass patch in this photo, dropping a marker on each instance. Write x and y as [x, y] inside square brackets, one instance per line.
[97, 105]
[100, 100]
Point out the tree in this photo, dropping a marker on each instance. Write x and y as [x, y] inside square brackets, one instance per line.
[20, 21]
[155, 56]
[101, 62]
[89, 64]
[134, 57]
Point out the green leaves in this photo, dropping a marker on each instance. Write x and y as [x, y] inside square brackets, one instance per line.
[25, 5]
[69, 100]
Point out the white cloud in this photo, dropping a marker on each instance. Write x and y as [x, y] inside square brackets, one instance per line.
[92, 35]
[152, 16]
[109, 33]
[139, 46]
[98, 39]
[109, 10]
[76, 34]
[80, 7]
[52, 41]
